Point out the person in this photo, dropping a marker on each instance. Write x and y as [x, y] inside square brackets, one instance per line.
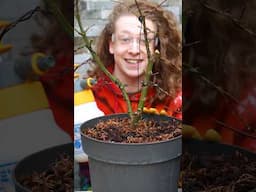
[122, 48]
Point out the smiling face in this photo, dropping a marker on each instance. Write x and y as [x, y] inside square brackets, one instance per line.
[128, 47]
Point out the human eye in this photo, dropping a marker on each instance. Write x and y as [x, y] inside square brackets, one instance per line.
[125, 40]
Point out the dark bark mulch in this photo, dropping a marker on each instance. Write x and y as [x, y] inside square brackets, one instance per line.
[145, 131]
[218, 173]
[57, 178]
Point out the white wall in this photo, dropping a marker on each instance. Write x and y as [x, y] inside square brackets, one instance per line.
[18, 36]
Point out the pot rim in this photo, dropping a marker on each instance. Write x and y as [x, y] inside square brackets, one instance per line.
[14, 173]
[123, 115]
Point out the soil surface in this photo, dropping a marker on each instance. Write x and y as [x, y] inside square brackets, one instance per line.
[217, 173]
[145, 131]
[57, 178]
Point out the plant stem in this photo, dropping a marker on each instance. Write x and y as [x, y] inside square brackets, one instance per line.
[88, 45]
[60, 17]
[148, 71]
[135, 116]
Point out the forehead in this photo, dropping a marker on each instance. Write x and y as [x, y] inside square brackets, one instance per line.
[131, 24]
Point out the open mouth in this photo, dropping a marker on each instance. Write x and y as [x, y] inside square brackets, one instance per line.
[134, 61]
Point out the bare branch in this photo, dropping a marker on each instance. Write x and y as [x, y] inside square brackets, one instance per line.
[23, 18]
[88, 45]
[219, 89]
[236, 130]
[191, 44]
[227, 15]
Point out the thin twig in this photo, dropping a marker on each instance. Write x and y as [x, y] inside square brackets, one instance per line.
[161, 3]
[218, 88]
[79, 48]
[88, 45]
[229, 16]
[149, 68]
[191, 44]
[235, 130]
[23, 18]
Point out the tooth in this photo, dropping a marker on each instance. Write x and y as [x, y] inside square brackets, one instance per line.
[132, 61]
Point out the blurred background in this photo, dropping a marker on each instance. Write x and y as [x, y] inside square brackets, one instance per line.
[31, 78]
[10, 10]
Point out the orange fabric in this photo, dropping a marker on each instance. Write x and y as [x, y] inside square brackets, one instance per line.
[109, 99]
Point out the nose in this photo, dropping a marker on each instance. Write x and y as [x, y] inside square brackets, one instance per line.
[134, 47]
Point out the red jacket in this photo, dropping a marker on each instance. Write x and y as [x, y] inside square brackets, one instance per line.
[58, 83]
[109, 99]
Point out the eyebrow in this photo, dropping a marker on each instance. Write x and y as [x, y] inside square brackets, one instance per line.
[124, 32]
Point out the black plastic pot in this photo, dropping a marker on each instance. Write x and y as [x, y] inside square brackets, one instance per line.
[195, 146]
[211, 150]
[39, 162]
[122, 167]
